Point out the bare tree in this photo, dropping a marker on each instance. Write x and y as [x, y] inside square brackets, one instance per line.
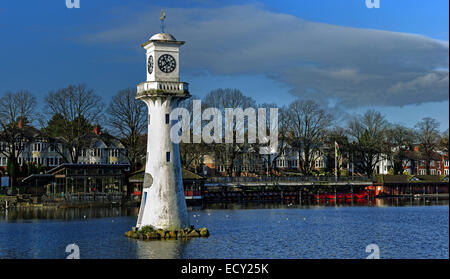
[79, 108]
[368, 134]
[283, 135]
[309, 123]
[16, 111]
[443, 144]
[229, 153]
[399, 141]
[128, 120]
[428, 135]
[193, 153]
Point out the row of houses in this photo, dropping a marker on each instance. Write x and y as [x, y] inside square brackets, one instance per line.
[104, 149]
[250, 162]
[36, 149]
[414, 164]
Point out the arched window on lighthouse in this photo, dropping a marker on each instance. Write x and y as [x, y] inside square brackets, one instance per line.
[167, 118]
[167, 156]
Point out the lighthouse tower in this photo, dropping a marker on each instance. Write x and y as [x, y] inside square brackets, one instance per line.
[163, 204]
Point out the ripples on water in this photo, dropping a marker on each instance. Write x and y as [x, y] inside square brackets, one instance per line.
[401, 228]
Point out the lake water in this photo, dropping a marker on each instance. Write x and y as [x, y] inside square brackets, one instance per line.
[400, 228]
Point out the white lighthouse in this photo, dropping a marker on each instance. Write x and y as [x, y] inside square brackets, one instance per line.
[163, 204]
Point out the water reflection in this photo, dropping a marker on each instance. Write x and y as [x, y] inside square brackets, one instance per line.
[168, 249]
[52, 213]
[383, 202]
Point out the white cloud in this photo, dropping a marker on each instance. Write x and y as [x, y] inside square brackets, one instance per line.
[358, 67]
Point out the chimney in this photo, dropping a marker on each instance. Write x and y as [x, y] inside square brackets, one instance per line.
[20, 124]
[97, 129]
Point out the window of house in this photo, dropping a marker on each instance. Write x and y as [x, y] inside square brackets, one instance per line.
[97, 152]
[221, 168]
[432, 163]
[438, 164]
[432, 171]
[446, 171]
[446, 163]
[422, 172]
[422, 163]
[37, 147]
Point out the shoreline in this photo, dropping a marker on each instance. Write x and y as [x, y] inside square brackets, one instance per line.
[10, 202]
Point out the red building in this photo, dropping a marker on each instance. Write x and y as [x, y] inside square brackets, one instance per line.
[417, 165]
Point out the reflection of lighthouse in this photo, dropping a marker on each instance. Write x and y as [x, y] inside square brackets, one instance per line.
[163, 203]
[160, 249]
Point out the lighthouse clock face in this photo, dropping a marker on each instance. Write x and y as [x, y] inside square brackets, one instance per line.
[150, 64]
[167, 63]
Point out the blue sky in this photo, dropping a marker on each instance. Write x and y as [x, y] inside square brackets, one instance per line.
[393, 59]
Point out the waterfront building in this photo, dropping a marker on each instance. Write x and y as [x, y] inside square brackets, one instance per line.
[47, 152]
[249, 162]
[415, 164]
[69, 178]
[102, 148]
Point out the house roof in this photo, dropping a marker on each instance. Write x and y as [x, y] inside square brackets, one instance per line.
[72, 165]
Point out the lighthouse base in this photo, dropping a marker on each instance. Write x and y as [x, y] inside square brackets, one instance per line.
[149, 233]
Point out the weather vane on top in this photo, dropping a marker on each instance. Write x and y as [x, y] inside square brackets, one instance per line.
[163, 16]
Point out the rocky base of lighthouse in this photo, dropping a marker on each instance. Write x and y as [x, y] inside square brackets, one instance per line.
[149, 233]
